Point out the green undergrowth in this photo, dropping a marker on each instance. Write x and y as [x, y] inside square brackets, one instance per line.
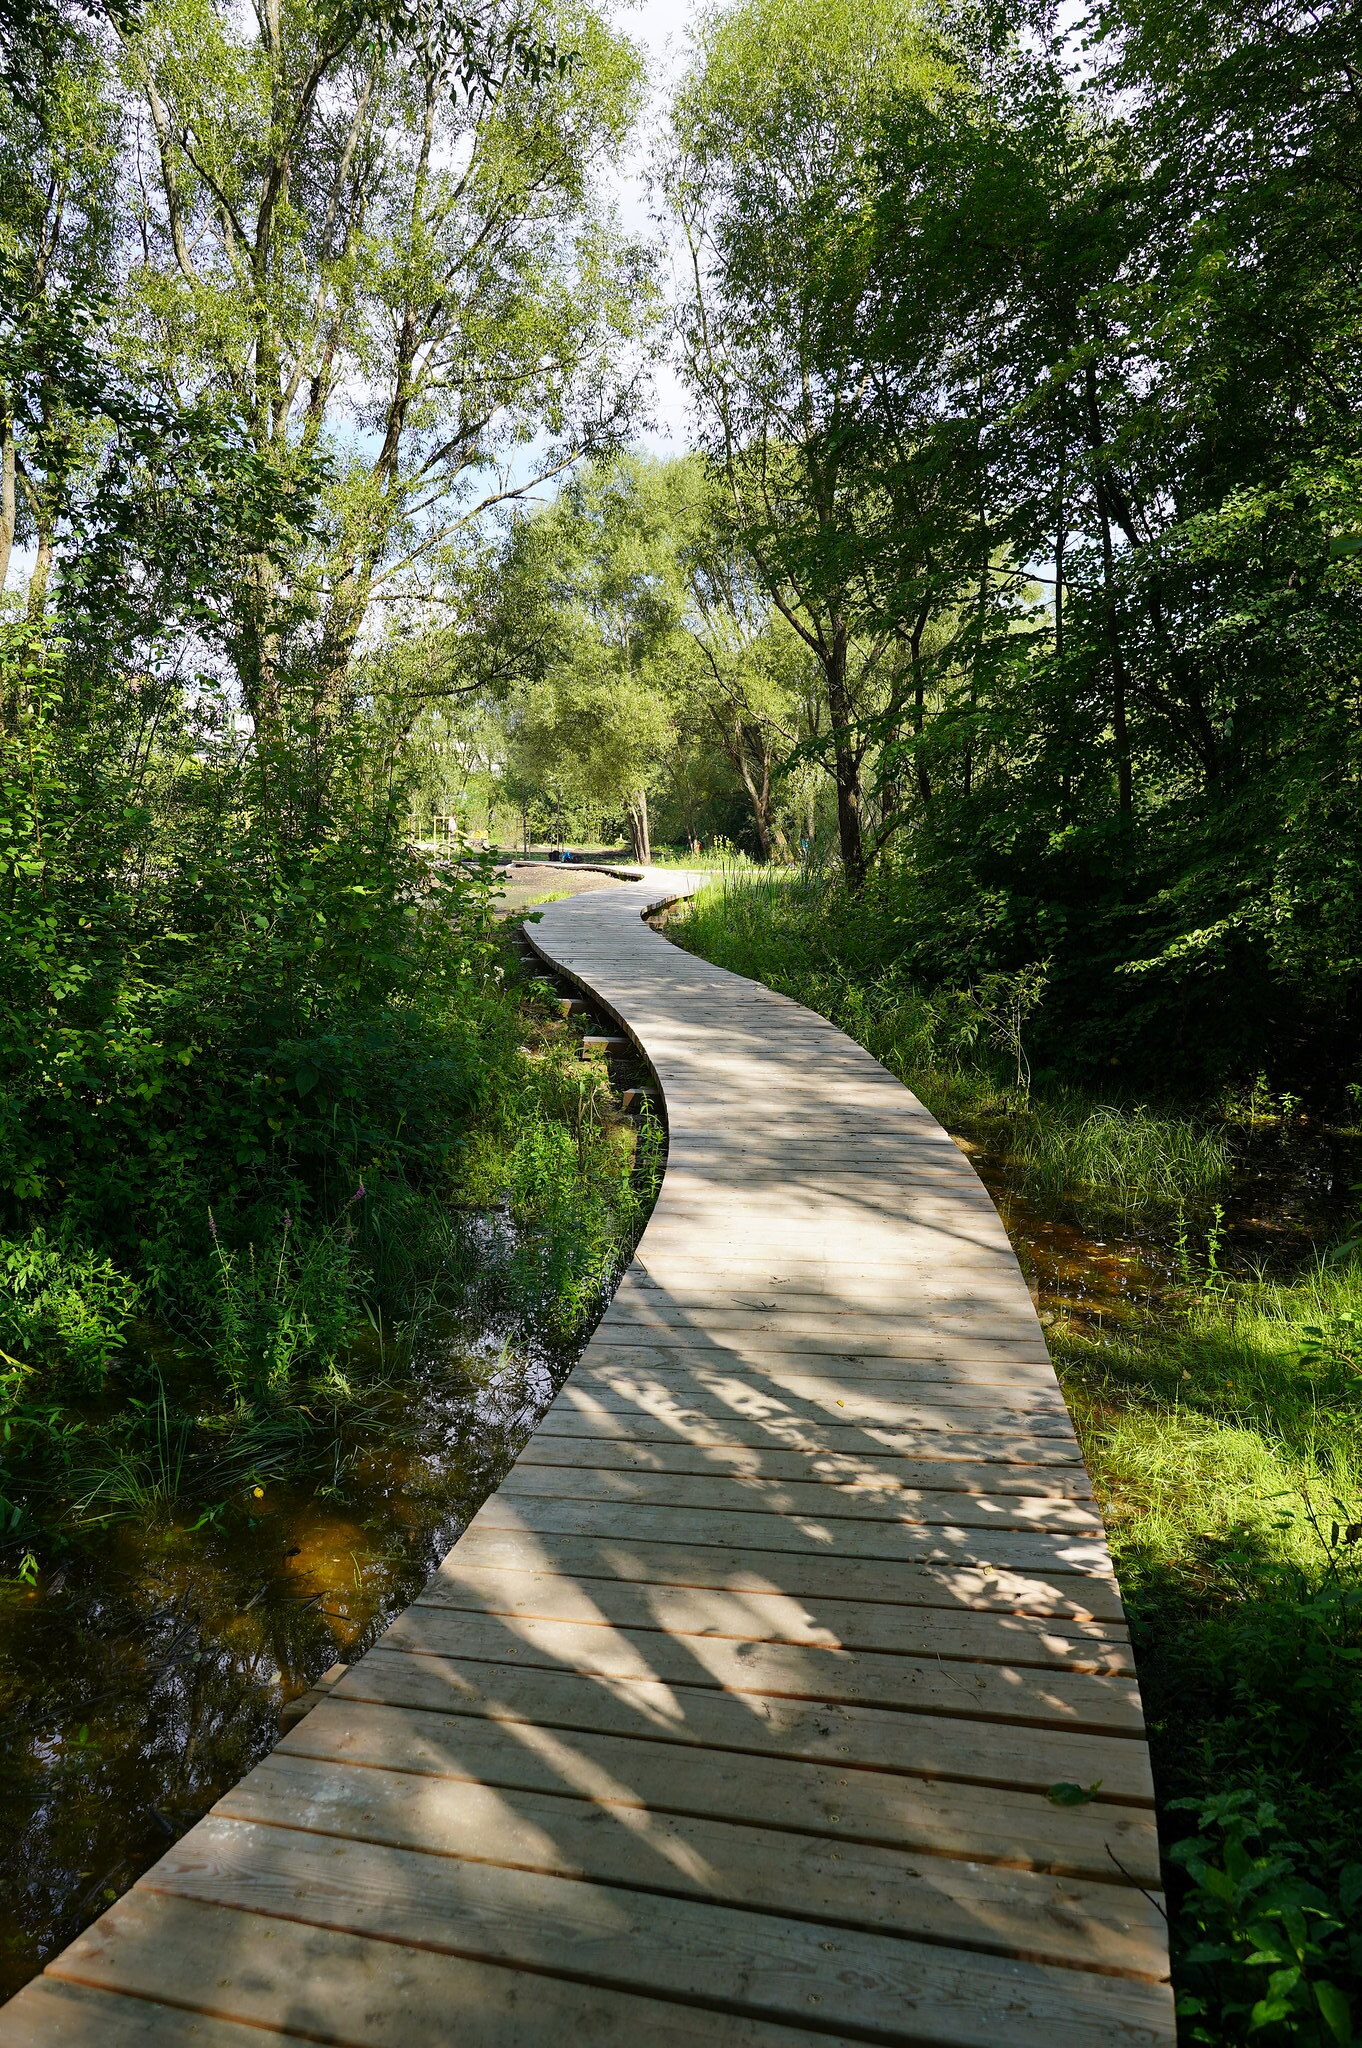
[284, 1329]
[1221, 1417]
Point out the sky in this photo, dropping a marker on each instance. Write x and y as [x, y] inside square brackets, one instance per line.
[661, 27]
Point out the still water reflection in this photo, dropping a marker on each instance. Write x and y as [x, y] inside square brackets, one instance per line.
[142, 1678]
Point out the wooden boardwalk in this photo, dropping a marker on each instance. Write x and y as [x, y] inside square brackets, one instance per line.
[732, 1716]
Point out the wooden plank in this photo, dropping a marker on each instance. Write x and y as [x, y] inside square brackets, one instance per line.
[51, 2013]
[836, 1624]
[751, 1388]
[963, 1350]
[318, 1984]
[868, 1296]
[853, 1308]
[764, 1529]
[951, 1819]
[813, 1575]
[871, 1468]
[1087, 1700]
[578, 1479]
[759, 1964]
[996, 1910]
[811, 1375]
[577, 1413]
[923, 1422]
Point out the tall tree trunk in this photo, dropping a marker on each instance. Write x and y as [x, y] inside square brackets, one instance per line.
[1120, 682]
[756, 780]
[9, 504]
[759, 796]
[1120, 689]
[1061, 540]
[924, 780]
[637, 812]
[845, 760]
[1061, 543]
[42, 569]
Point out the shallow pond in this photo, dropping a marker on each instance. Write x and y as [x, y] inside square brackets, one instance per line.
[1291, 1194]
[147, 1674]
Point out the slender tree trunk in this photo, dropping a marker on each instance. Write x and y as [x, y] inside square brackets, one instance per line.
[9, 504]
[1061, 543]
[846, 762]
[42, 569]
[924, 780]
[758, 795]
[1061, 540]
[637, 812]
[758, 787]
[1120, 682]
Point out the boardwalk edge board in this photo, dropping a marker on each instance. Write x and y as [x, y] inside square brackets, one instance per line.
[731, 1720]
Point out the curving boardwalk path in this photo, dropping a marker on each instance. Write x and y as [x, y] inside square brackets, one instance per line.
[732, 1716]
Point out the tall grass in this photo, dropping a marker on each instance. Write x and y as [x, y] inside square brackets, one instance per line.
[1130, 1162]
[290, 1328]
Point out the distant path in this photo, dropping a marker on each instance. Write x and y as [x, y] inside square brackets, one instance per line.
[529, 882]
[731, 1717]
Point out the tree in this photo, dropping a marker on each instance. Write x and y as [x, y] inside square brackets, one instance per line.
[59, 142]
[770, 173]
[374, 238]
[749, 683]
[593, 587]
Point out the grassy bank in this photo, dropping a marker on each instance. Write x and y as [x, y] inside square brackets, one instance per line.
[1218, 1398]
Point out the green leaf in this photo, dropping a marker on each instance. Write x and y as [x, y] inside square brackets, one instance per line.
[1067, 1794]
[1335, 2011]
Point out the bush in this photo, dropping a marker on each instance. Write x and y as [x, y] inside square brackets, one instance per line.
[285, 1312]
[62, 1309]
[1263, 1943]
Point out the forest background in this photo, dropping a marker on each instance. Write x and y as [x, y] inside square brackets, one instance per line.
[1012, 590]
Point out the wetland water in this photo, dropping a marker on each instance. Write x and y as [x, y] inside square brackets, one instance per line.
[146, 1674]
[144, 1670]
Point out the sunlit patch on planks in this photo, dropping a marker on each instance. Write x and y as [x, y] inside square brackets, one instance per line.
[735, 1714]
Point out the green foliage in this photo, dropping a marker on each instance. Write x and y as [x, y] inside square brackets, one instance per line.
[574, 1179]
[283, 1313]
[62, 1308]
[578, 1195]
[1265, 1941]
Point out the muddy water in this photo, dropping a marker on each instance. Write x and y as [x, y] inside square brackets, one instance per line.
[1291, 1193]
[145, 1675]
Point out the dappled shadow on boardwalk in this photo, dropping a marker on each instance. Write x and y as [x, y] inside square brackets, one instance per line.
[733, 1715]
